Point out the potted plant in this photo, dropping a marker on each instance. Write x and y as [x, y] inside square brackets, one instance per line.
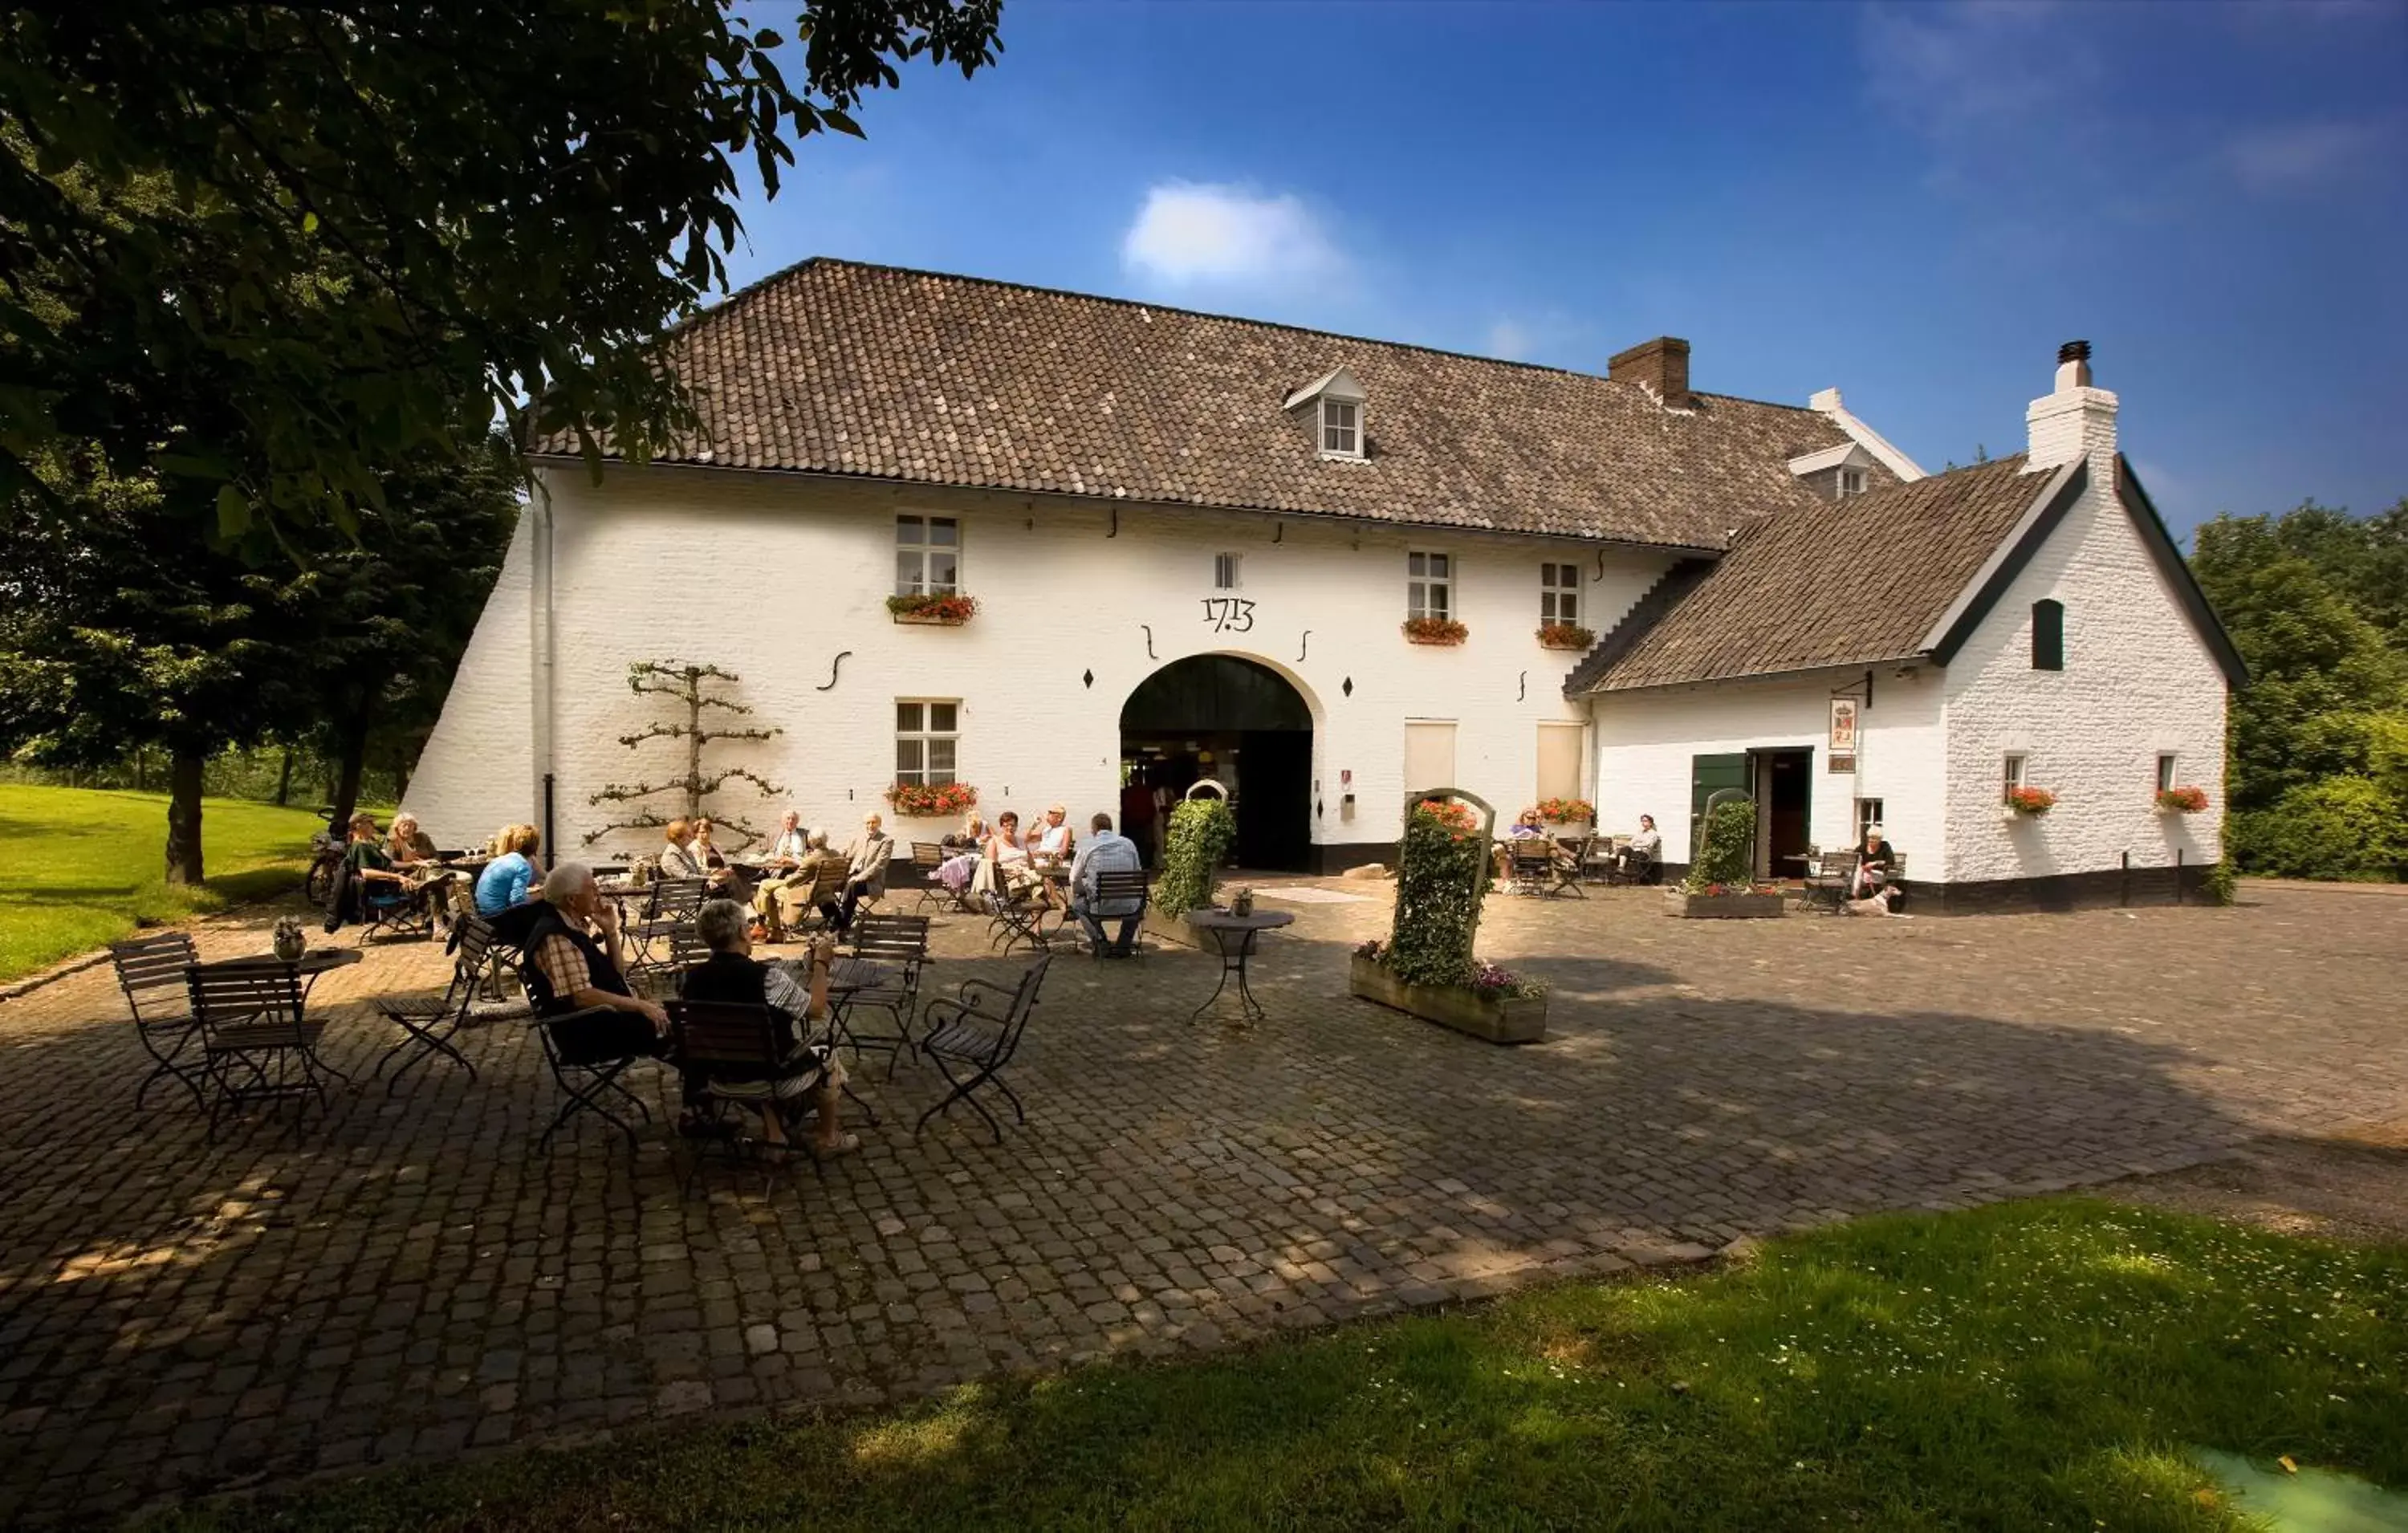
[1193, 845]
[2181, 800]
[1719, 886]
[2029, 803]
[931, 800]
[1426, 966]
[1565, 636]
[1435, 631]
[1567, 811]
[942, 609]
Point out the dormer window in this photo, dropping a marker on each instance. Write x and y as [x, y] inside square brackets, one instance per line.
[1835, 473]
[1852, 482]
[1341, 432]
[1331, 408]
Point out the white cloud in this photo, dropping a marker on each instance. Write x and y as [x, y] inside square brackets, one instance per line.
[1510, 340]
[1974, 66]
[1192, 235]
[2297, 155]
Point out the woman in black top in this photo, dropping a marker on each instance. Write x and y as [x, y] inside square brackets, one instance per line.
[1872, 863]
[810, 1078]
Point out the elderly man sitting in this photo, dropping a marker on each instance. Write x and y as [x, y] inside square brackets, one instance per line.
[810, 1079]
[865, 873]
[1105, 853]
[782, 865]
[574, 962]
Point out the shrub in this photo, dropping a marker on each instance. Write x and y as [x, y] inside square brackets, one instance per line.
[2343, 827]
[1200, 832]
[1442, 878]
[1436, 631]
[1720, 861]
[2218, 885]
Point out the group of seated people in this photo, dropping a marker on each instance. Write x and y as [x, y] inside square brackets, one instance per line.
[1635, 860]
[791, 867]
[386, 868]
[576, 963]
[1001, 863]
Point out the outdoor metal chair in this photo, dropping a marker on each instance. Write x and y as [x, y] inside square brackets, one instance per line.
[897, 945]
[258, 1045]
[151, 971]
[926, 858]
[668, 909]
[429, 1024]
[1830, 882]
[1017, 917]
[734, 1051]
[827, 888]
[1118, 889]
[1600, 861]
[588, 1052]
[392, 908]
[1529, 865]
[973, 1037]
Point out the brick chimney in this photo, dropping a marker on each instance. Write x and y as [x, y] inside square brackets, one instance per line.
[1662, 365]
[2077, 421]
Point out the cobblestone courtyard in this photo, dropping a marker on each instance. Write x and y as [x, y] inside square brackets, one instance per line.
[405, 1280]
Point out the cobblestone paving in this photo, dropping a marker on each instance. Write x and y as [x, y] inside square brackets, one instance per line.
[403, 1279]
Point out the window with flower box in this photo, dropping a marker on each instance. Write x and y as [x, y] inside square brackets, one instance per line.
[1559, 594]
[927, 556]
[1429, 586]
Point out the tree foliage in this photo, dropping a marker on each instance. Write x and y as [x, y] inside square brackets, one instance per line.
[2317, 601]
[332, 212]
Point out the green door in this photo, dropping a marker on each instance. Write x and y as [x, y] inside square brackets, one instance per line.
[1708, 776]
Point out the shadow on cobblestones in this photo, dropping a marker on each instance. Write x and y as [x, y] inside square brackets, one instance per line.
[402, 1280]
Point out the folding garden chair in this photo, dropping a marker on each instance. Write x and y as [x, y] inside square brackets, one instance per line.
[926, 858]
[1829, 878]
[1015, 917]
[974, 1035]
[392, 908]
[428, 1024]
[735, 1049]
[257, 1044]
[827, 888]
[1123, 889]
[898, 946]
[588, 1051]
[151, 971]
[1529, 865]
[668, 909]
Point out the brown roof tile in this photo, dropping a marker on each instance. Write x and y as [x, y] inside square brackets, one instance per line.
[838, 368]
[1836, 584]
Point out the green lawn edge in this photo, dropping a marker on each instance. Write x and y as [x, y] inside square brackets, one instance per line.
[2028, 1365]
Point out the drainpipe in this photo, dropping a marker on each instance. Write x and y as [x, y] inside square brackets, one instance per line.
[540, 654]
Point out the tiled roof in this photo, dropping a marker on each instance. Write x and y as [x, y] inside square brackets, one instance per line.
[1836, 584]
[843, 369]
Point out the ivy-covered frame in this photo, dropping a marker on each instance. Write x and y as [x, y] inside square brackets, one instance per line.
[1442, 870]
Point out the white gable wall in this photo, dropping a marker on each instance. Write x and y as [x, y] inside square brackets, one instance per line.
[478, 772]
[2138, 681]
[772, 577]
[1646, 741]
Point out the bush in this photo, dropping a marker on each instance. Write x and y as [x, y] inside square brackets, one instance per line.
[2218, 885]
[2343, 827]
[1442, 878]
[1200, 832]
[1721, 858]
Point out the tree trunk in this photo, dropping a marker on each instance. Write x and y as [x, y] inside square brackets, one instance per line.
[284, 779]
[184, 815]
[350, 752]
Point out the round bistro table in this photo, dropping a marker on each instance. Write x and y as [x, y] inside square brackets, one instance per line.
[1234, 936]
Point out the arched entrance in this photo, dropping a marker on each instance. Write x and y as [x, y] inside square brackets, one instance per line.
[1242, 723]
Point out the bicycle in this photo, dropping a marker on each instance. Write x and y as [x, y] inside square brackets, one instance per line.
[325, 854]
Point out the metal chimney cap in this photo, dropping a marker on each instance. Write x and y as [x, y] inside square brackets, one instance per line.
[2074, 351]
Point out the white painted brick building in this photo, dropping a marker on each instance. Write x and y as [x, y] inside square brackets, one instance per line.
[1127, 490]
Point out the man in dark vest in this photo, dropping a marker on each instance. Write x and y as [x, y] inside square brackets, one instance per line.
[811, 1077]
[574, 963]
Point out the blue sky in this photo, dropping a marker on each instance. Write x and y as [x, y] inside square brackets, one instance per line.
[1915, 204]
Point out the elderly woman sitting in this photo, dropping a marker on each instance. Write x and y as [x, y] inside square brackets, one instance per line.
[810, 1079]
[513, 878]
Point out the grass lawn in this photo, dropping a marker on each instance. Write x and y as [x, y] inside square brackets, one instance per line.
[2033, 1365]
[83, 865]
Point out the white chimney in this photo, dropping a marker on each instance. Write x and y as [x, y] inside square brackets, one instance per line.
[2076, 422]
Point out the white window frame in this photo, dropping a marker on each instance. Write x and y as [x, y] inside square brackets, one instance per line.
[1558, 601]
[920, 550]
[1850, 482]
[2014, 772]
[1427, 574]
[924, 732]
[1868, 813]
[2169, 769]
[1228, 571]
[1348, 432]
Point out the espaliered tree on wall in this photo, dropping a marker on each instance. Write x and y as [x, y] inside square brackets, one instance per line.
[692, 686]
[1200, 832]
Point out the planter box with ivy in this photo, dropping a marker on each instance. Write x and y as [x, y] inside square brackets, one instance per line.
[933, 609]
[1426, 966]
[1566, 635]
[2027, 803]
[1719, 886]
[2176, 801]
[931, 800]
[1444, 631]
[1498, 1015]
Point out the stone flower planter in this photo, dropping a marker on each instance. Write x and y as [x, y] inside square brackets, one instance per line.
[1724, 907]
[929, 620]
[1458, 1006]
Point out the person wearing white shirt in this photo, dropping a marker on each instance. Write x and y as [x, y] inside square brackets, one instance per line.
[785, 854]
[1106, 852]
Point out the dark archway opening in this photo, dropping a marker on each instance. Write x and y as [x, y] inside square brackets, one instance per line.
[1240, 724]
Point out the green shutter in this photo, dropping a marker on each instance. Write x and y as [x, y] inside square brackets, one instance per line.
[2048, 635]
[1708, 776]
